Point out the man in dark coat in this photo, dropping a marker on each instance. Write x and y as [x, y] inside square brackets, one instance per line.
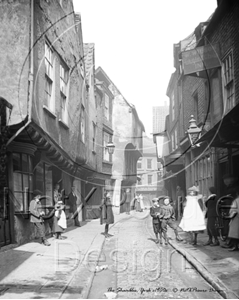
[211, 216]
[107, 215]
[36, 216]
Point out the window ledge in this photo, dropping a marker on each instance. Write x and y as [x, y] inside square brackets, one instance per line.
[51, 113]
[25, 215]
[63, 124]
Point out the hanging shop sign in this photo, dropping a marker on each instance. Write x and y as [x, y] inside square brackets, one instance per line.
[200, 59]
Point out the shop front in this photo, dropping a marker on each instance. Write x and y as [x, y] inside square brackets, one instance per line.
[34, 163]
[224, 139]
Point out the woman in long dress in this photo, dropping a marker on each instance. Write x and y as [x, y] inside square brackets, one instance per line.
[193, 218]
[60, 223]
[137, 204]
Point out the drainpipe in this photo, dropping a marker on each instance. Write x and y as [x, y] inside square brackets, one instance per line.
[30, 78]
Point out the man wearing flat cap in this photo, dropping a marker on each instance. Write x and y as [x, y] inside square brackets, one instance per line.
[36, 216]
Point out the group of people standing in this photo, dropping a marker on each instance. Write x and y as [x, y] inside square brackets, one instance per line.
[57, 218]
[193, 219]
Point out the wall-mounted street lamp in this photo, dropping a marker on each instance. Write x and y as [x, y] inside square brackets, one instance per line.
[111, 147]
[194, 132]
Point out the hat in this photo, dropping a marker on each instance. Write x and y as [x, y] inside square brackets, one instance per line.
[155, 199]
[193, 189]
[37, 192]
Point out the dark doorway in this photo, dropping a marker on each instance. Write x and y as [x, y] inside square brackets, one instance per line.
[5, 233]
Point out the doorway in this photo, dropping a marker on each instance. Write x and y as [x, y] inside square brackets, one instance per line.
[5, 231]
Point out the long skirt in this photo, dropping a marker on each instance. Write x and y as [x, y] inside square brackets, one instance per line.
[56, 227]
[193, 218]
[137, 206]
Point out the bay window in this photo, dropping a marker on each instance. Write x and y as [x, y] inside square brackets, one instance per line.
[22, 181]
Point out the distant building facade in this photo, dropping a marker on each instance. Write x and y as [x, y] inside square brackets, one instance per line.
[159, 115]
[149, 177]
[128, 132]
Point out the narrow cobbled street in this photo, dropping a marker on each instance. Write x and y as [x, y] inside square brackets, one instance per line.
[136, 267]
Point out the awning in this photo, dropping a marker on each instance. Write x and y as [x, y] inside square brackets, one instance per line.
[225, 134]
[173, 159]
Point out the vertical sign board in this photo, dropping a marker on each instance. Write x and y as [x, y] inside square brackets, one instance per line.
[200, 59]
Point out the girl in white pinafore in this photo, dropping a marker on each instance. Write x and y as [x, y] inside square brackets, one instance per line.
[193, 217]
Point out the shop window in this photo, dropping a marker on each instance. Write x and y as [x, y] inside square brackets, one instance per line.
[23, 181]
[43, 182]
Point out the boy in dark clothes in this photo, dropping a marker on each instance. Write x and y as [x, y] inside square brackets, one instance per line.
[166, 216]
[154, 212]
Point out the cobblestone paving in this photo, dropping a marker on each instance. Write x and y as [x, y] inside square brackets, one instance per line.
[143, 270]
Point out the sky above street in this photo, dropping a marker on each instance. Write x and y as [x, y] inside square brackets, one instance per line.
[134, 43]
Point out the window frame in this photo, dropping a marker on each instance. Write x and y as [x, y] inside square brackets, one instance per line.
[64, 89]
[49, 76]
[149, 165]
[150, 182]
[139, 162]
[107, 157]
[24, 191]
[228, 81]
[107, 107]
